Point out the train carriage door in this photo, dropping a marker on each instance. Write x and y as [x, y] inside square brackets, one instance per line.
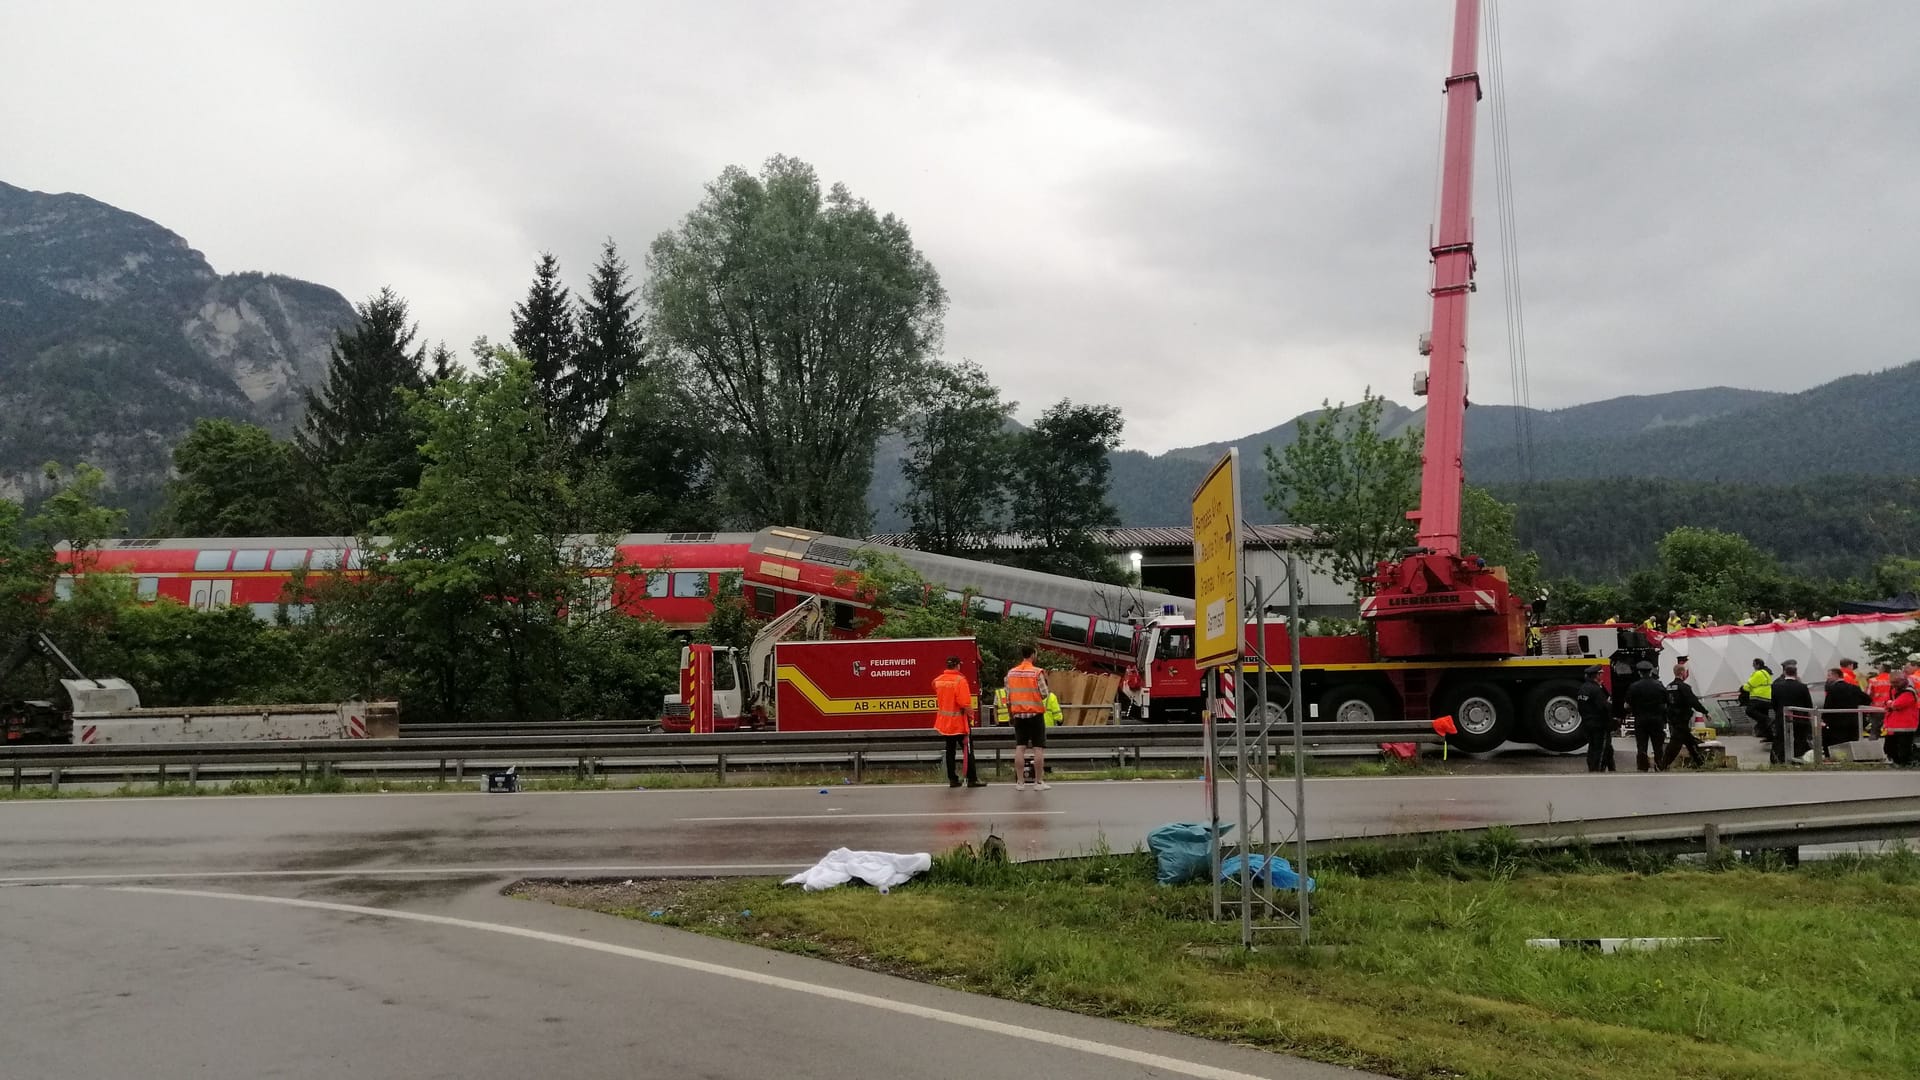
[221, 594]
[200, 597]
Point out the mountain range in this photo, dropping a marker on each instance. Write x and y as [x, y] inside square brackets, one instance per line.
[115, 335]
[1855, 425]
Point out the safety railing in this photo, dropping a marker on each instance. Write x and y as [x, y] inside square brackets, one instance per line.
[1817, 721]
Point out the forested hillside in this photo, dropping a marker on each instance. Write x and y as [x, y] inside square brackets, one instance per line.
[1602, 529]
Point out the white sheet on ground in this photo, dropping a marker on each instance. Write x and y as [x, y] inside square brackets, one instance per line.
[880, 869]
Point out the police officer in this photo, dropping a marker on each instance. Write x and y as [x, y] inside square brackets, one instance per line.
[1682, 703]
[1596, 711]
[1647, 700]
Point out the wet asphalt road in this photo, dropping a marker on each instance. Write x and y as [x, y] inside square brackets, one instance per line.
[762, 830]
[420, 968]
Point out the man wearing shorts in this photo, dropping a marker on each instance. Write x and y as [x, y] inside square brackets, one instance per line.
[1027, 703]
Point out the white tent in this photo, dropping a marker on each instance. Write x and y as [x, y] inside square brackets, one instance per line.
[1721, 657]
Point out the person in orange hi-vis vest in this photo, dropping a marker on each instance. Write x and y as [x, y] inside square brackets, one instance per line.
[1027, 702]
[1879, 690]
[953, 700]
[1903, 719]
[1850, 671]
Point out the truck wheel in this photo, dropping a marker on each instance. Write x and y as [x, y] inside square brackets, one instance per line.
[1482, 714]
[1279, 696]
[1553, 712]
[1355, 703]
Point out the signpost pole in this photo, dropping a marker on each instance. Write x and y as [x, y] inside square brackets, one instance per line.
[1212, 777]
[1219, 637]
[1299, 750]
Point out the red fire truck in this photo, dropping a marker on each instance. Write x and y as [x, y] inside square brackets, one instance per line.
[819, 685]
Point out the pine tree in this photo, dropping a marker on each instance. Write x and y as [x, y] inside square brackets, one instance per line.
[443, 364]
[545, 334]
[358, 442]
[610, 353]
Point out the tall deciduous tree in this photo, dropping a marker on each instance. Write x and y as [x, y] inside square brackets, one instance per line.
[609, 355]
[800, 322]
[958, 450]
[660, 459]
[72, 514]
[1057, 488]
[1353, 484]
[235, 479]
[546, 334]
[358, 443]
[26, 570]
[478, 575]
[1487, 530]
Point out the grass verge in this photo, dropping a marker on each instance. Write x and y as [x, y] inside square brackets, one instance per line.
[1420, 966]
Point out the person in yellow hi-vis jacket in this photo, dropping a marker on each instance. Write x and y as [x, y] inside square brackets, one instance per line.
[1001, 715]
[1052, 714]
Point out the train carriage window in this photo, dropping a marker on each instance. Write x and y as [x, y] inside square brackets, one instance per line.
[266, 613]
[689, 583]
[211, 560]
[987, 609]
[353, 559]
[250, 560]
[1067, 627]
[1113, 636]
[1027, 611]
[288, 559]
[657, 585]
[764, 601]
[63, 588]
[326, 559]
[149, 588]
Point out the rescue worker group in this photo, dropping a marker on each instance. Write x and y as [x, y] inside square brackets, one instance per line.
[1661, 714]
[1024, 701]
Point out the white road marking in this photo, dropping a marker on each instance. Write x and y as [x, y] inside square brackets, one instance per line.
[923, 1012]
[415, 871]
[849, 817]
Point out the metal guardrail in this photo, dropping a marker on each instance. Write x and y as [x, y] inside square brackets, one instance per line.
[1782, 827]
[591, 752]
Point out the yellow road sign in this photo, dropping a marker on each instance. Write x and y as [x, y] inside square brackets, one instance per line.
[1216, 565]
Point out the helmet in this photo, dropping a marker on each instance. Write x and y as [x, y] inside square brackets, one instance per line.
[1643, 667]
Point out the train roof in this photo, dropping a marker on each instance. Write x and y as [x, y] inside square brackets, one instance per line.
[1056, 591]
[253, 543]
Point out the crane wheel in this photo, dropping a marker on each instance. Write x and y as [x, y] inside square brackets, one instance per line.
[1553, 714]
[1482, 714]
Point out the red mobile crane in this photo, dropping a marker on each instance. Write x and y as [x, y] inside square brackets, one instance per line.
[1452, 637]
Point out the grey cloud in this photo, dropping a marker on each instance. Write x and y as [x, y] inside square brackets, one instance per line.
[1118, 195]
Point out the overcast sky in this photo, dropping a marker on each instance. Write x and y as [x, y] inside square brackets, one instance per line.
[1212, 215]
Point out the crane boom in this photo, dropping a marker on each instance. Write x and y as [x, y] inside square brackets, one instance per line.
[1436, 600]
[1437, 521]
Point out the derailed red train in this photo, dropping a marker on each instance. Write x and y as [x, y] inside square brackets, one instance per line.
[672, 577]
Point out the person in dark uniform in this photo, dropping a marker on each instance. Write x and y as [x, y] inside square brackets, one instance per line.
[1682, 703]
[1790, 693]
[1841, 694]
[1596, 711]
[1647, 700]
